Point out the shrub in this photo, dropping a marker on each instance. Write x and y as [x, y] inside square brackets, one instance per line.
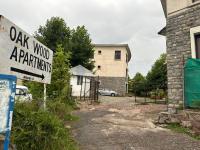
[158, 94]
[59, 109]
[196, 104]
[39, 130]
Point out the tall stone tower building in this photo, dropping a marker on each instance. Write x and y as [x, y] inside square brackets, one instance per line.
[182, 33]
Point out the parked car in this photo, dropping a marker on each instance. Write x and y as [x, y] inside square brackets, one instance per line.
[107, 92]
[22, 94]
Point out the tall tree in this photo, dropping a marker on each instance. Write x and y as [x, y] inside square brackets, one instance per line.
[82, 48]
[157, 76]
[76, 41]
[137, 84]
[60, 86]
[55, 32]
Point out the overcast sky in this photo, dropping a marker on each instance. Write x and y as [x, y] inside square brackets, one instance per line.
[135, 22]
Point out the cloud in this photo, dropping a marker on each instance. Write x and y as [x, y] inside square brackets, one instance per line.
[135, 22]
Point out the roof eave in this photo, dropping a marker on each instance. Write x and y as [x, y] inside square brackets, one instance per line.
[164, 5]
[162, 32]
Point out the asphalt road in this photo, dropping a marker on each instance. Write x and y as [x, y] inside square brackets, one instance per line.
[120, 124]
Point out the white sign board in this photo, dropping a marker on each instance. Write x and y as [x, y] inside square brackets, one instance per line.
[22, 55]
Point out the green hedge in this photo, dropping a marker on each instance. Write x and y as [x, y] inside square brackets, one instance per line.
[35, 129]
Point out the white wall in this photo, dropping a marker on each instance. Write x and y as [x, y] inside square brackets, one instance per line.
[76, 89]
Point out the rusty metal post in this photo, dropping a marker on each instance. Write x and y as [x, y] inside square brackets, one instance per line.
[81, 87]
[84, 88]
[98, 89]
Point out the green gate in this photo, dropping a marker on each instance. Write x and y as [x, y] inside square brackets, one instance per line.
[192, 83]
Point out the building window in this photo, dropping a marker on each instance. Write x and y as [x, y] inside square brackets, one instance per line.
[195, 42]
[99, 52]
[117, 55]
[99, 67]
[79, 80]
[197, 45]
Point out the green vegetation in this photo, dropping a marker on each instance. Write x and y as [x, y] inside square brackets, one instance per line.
[35, 128]
[54, 33]
[75, 42]
[59, 89]
[196, 104]
[82, 49]
[157, 76]
[178, 128]
[154, 84]
[137, 84]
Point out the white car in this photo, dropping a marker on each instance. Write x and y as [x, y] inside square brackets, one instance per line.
[22, 94]
[106, 92]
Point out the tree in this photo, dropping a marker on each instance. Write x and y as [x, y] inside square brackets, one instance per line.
[137, 84]
[157, 76]
[60, 85]
[55, 32]
[60, 80]
[82, 49]
[76, 41]
[74, 48]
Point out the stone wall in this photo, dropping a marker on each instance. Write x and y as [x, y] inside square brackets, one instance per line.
[179, 48]
[117, 84]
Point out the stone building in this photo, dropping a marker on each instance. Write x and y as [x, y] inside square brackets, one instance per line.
[182, 33]
[111, 65]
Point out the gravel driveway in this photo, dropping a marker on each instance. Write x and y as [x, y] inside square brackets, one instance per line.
[120, 124]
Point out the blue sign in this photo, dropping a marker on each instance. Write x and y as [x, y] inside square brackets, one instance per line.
[7, 100]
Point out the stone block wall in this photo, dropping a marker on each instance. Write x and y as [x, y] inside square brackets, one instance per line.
[179, 48]
[117, 84]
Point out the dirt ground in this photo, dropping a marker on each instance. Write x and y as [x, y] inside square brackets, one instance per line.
[117, 123]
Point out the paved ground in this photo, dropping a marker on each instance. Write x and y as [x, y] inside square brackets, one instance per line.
[120, 124]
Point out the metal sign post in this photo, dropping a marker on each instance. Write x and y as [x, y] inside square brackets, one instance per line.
[7, 100]
[45, 96]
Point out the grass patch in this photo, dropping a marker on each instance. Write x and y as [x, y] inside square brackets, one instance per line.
[70, 117]
[179, 129]
[35, 129]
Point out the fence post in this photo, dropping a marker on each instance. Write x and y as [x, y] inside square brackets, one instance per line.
[84, 88]
[98, 89]
[145, 96]
[81, 86]
[95, 86]
[135, 96]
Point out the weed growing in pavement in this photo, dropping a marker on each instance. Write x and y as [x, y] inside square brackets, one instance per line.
[179, 129]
